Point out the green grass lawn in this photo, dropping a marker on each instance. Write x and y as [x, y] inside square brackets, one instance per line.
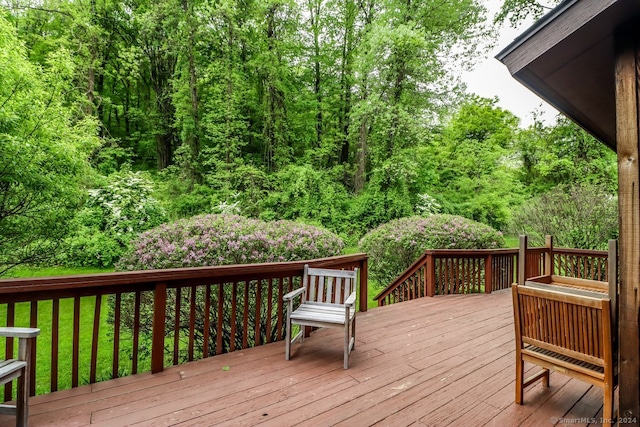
[511, 241]
[30, 271]
[43, 342]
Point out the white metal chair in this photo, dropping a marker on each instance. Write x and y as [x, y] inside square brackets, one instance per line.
[11, 369]
[327, 301]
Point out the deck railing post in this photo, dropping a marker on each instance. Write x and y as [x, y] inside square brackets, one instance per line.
[364, 285]
[549, 262]
[431, 275]
[488, 274]
[157, 337]
[522, 260]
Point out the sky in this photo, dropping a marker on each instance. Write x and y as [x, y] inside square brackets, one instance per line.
[490, 78]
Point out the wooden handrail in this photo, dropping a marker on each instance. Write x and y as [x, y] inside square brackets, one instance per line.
[173, 314]
[424, 269]
[445, 270]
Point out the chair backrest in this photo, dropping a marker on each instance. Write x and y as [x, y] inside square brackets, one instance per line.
[330, 286]
[576, 326]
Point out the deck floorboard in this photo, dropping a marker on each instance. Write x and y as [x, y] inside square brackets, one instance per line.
[445, 360]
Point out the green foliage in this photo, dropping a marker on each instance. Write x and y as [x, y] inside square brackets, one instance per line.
[313, 196]
[112, 216]
[477, 177]
[561, 154]
[577, 216]
[190, 203]
[393, 246]
[386, 197]
[43, 155]
[516, 11]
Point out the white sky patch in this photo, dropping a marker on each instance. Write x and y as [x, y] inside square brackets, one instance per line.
[490, 78]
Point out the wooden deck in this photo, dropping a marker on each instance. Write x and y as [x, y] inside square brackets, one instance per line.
[445, 360]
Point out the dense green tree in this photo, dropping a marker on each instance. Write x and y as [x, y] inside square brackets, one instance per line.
[477, 174]
[43, 152]
[563, 153]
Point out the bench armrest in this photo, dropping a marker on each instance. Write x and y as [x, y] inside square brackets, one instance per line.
[291, 295]
[351, 300]
[19, 332]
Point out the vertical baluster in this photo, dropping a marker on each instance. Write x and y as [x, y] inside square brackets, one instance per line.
[55, 340]
[95, 339]
[269, 307]
[76, 342]
[257, 337]
[32, 366]
[159, 319]
[280, 307]
[220, 325]
[245, 324]
[192, 321]
[8, 349]
[136, 333]
[234, 308]
[176, 326]
[116, 336]
[207, 321]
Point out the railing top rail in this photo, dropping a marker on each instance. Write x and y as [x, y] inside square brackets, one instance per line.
[39, 284]
[572, 251]
[472, 252]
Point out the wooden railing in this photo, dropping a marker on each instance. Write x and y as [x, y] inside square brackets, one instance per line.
[103, 326]
[578, 263]
[455, 271]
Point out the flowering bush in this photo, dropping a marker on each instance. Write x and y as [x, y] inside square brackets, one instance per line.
[393, 246]
[112, 216]
[217, 239]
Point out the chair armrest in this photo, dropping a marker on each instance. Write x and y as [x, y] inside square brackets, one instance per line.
[291, 295]
[351, 300]
[19, 332]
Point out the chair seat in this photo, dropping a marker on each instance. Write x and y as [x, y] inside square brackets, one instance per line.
[315, 313]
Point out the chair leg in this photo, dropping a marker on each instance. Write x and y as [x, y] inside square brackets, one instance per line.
[22, 399]
[353, 332]
[287, 338]
[347, 340]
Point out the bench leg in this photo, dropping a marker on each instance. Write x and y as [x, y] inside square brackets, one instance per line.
[607, 409]
[519, 378]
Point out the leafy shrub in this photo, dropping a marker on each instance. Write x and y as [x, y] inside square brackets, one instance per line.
[184, 204]
[91, 248]
[393, 246]
[302, 192]
[227, 239]
[581, 216]
[112, 216]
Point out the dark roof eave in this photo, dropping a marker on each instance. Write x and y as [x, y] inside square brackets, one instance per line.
[535, 28]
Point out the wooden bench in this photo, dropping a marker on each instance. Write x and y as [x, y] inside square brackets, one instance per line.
[567, 333]
[327, 300]
[11, 369]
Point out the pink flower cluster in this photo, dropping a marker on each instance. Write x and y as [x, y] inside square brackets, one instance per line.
[227, 239]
